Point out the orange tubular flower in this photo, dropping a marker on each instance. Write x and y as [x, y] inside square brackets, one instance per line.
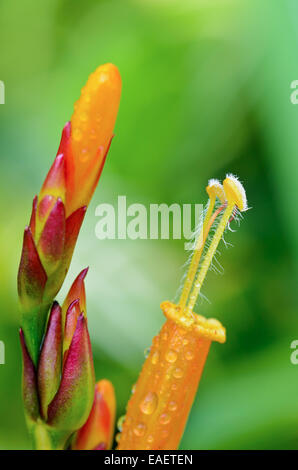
[97, 432]
[158, 409]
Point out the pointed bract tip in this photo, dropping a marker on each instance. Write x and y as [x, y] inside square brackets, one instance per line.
[83, 273]
[73, 304]
[77, 291]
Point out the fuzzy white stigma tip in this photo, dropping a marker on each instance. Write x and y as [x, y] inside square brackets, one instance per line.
[235, 192]
[215, 188]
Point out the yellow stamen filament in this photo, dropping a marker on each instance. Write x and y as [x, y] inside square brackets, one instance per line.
[214, 189]
[209, 256]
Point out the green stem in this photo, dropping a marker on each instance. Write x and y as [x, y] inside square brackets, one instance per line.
[46, 438]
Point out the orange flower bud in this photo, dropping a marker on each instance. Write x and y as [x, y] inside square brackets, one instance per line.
[97, 432]
[92, 126]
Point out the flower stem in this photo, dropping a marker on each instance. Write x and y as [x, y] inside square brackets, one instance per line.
[45, 438]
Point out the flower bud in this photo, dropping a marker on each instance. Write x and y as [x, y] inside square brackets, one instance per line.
[59, 210]
[49, 366]
[92, 126]
[97, 432]
[71, 405]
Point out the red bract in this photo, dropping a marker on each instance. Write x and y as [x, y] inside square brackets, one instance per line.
[60, 394]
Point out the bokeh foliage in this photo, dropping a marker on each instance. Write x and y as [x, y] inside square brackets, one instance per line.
[206, 90]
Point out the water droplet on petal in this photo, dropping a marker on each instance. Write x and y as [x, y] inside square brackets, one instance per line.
[149, 403]
[93, 134]
[83, 117]
[189, 355]
[133, 389]
[120, 422]
[77, 135]
[172, 406]
[84, 155]
[178, 373]
[164, 418]
[139, 429]
[171, 356]
[155, 357]
[147, 352]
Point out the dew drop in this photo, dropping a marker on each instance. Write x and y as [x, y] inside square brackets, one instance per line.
[156, 340]
[155, 357]
[171, 356]
[139, 429]
[178, 373]
[164, 418]
[189, 355]
[93, 134]
[172, 406]
[84, 155]
[174, 386]
[83, 117]
[150, 438]
[133, 389]
[77, 135]
[149, 403]
[185, 341]
[120, 422]
[147, 352]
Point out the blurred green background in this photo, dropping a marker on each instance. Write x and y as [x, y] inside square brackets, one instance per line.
[206, 90]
